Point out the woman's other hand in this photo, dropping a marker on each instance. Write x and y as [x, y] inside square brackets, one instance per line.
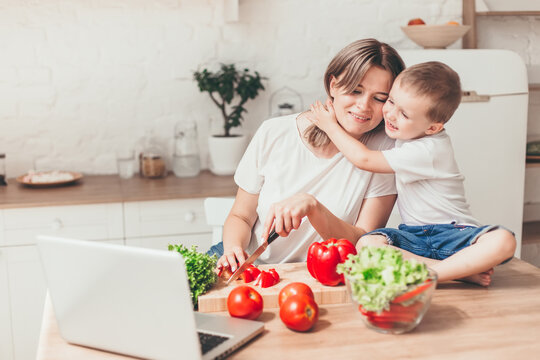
[286, 215]
[323, 116]
[232, 258]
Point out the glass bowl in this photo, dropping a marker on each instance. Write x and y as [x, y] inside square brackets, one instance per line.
[405, 311]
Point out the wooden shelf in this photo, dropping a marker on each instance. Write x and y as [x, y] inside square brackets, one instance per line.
[508, 13]
[532, 164]
[469, 12]
[534, 87]
[531, 232]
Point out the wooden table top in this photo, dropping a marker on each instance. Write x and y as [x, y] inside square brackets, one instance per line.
[464, 321]
[93, 189]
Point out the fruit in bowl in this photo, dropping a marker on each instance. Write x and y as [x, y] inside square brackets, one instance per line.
[416, 21]
[391, 294]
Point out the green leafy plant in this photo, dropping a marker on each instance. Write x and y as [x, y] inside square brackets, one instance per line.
[199, 268]
[226, 85]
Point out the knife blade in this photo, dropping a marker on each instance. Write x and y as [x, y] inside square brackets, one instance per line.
[273, 236]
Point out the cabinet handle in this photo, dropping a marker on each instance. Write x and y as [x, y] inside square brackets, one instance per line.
[56, 224]
[473, 96]
[189, 216]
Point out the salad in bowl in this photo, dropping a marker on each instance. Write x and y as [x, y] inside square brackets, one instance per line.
[392, 294]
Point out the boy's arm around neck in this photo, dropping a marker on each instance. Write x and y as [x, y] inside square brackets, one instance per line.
[358, 153]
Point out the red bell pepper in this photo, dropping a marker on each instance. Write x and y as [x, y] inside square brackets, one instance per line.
[267, 278]
[274, 274]
[323, 258]
[414, 292]
[250, 273]
[396, 313]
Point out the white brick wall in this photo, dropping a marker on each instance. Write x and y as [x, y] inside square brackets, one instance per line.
[80, 80]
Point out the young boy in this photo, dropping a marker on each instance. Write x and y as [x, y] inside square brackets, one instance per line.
[438, 227]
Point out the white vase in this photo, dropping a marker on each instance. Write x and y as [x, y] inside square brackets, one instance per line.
[225, 153]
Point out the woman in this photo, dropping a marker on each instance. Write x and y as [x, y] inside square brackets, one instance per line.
[294, 163]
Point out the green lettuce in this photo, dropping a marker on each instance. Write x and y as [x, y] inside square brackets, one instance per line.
[376, 275]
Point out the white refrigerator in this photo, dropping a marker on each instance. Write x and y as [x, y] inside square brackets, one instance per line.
[488, 131]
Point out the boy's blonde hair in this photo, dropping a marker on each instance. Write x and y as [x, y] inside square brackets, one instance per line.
[353, 62]
[437, 81]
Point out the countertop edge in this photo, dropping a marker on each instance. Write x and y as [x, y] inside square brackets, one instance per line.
[100, 189]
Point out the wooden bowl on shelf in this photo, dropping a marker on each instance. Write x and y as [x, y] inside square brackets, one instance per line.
[435, 36]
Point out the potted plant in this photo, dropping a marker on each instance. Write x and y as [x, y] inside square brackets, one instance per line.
[229, 89]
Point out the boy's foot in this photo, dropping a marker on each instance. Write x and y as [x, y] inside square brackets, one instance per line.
[482, 279]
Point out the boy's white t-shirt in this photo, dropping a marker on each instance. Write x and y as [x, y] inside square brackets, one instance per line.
[429, 184]
[277, 165]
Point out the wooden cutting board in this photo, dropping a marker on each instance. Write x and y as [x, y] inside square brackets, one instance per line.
[216, 299]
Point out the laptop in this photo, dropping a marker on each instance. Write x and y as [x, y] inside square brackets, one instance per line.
[133, 301]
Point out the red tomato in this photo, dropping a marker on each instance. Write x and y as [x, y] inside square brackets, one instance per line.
[225, 273]
[245, 302]
[299, 312]
[294, 288]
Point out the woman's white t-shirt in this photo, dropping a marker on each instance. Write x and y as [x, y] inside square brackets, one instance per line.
[277, 165]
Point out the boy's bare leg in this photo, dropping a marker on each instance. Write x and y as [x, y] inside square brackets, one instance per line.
[472, 264]
[475, 263]
[484, 278]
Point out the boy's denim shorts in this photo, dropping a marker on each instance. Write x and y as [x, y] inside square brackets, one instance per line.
[216, 250]
[437, 241]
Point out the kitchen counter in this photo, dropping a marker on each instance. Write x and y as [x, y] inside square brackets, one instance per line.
[464, 321]
[93, 189]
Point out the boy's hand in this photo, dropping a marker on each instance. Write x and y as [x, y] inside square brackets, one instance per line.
[322, 116]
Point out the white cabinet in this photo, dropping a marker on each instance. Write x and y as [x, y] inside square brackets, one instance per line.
[6, 342]
[27, 289]
[22, 282]
[151, 224]
[88, 222]
[155, 224]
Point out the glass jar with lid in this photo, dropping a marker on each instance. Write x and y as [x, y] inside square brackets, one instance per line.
[186, 160]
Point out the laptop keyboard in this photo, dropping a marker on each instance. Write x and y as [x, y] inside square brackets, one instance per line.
[209, 341]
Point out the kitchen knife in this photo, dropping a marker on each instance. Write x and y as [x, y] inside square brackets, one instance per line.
[273, 236]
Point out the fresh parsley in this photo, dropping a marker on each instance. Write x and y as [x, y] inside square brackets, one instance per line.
[200, 270]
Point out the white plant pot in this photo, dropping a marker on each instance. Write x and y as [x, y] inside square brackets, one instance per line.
[225, 153]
